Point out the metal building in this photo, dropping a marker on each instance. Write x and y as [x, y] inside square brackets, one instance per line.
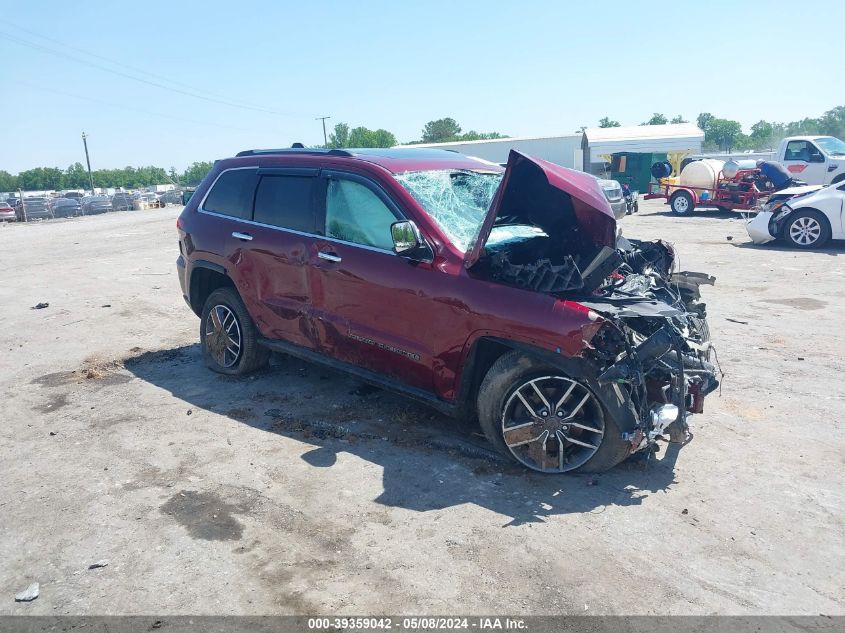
[562, 150]
[627, 153]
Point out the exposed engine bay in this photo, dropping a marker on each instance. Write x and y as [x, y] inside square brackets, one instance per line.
[654, 344]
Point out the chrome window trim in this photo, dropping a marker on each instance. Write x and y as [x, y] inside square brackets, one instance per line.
[342, 173]
[315, 236]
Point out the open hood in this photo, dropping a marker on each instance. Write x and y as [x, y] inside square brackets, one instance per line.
[560, 201]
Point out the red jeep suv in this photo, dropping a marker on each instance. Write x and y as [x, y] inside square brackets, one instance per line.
[501, 294]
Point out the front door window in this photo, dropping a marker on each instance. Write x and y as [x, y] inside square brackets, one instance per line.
[354, 213]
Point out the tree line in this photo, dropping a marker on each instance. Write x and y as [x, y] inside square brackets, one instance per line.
[76, 177]
[727, 135]
[443, 130]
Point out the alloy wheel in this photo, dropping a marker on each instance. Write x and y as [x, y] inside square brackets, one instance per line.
[223, 336]
[805, 231]
[552, 424]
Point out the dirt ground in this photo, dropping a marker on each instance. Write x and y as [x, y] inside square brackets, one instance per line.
[300, 491]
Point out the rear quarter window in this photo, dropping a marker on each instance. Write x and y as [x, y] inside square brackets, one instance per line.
[233, 193]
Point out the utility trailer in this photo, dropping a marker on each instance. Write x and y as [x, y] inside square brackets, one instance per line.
[740, 193]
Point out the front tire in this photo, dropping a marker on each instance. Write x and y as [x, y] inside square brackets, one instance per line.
[681, 203]
[806, 228]
[228, 336]
[545, 420]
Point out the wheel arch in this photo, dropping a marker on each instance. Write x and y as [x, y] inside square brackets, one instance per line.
[486, 350]
[206, 277]
[821, 213]
[838, 179]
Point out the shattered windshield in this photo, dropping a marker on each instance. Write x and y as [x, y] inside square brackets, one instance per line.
[457, 200]
[831, 145]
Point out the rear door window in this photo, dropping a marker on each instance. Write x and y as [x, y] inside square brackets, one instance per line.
[233, 193]
[286, 202]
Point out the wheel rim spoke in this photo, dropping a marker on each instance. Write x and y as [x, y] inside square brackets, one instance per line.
[542, 397]
[584, 427]
[578, 442]
[524, 402]
[565, 396]
[215, 318]
[578, 407]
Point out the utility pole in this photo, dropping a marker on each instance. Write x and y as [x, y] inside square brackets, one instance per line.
[88, 161]
[323, 119]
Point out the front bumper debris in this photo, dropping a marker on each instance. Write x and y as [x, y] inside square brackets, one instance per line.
[758, 228]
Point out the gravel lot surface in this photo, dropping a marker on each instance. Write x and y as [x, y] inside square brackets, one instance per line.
[299, 491]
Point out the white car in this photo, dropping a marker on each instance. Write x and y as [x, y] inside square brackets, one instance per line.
[807, 220]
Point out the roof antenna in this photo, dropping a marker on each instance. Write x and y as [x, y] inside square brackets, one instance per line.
[297, 146]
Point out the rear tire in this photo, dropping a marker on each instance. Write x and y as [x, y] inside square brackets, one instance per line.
[510, 382]
[681, 203]
[806, 228]
[228, 336]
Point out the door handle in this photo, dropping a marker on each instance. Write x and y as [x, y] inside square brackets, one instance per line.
[246, 237]
[329, 257]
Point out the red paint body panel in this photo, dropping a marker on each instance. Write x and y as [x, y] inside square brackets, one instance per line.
[411, 321]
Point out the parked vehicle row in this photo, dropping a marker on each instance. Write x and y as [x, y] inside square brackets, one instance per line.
[73, 204]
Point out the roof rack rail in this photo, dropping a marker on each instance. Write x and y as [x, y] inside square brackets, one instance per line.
[296, 150]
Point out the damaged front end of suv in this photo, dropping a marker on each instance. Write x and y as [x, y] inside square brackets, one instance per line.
[549, 230]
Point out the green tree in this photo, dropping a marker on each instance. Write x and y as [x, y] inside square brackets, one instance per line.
[607, 122]
[832, 122]
[761, 136]
[440, 130]
[724, 134]
[704, 120]
[382, 138]
[41, 178]
[678, 119]
[194, 174]
[364, 137]
[656, 119]
[360, 136]
[340, 136]
[8, 182]
[76, 177]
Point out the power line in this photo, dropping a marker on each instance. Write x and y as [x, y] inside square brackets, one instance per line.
[16, 39]
[18, 27]
[134, 109]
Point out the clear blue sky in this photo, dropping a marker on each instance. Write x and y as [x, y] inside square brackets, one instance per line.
[520, 68]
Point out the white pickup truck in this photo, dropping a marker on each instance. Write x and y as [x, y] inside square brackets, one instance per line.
[817, 160]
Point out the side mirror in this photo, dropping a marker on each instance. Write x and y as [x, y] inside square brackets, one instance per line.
[816, 157]
[408, 242]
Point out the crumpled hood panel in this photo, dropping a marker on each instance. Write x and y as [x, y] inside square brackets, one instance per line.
[556, 199]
